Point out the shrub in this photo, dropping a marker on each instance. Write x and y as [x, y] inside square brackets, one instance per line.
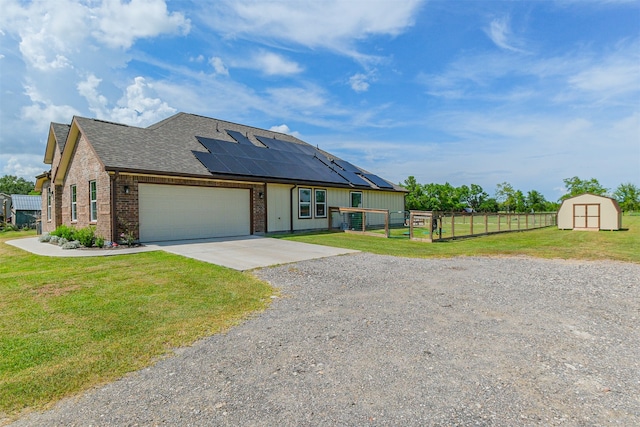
[99, 242]
[71, 245]
[44, 237]
[64, 231]
[53, 239]
[62, 241]
[86, 236]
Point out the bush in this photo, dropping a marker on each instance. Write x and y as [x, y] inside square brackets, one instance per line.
[62, 241]
[44, 237]
[99, 242]
[53, 239]
[71, 245]
[64, 231]
[86, 236]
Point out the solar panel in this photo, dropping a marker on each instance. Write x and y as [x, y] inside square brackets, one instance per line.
[282, 160]
[346, 166]
[211, 162]
[377, 180]
[239, 137]
[353, 178]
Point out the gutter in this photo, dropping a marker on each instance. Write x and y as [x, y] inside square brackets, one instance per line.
[291, 207]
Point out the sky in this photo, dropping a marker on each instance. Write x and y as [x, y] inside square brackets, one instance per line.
[482, 92]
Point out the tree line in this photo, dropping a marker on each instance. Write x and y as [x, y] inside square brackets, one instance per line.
[445, 197]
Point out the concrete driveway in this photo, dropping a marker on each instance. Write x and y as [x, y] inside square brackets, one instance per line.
[248, 252]
[240, 253]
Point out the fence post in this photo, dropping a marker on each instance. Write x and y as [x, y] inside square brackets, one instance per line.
[486, 223]
[471, 224]
[453, 221]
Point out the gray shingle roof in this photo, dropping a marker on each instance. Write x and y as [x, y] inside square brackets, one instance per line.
[21, 202]
[61, 131]
[167, 146]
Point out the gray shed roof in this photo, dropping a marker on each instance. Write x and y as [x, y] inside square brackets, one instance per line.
[21, 202]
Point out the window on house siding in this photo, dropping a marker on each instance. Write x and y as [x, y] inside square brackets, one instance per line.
[74, 205]
[49, 204]
[93, 191]
[321, 203]
[304, 203]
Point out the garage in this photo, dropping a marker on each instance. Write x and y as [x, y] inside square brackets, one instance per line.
[176, 212]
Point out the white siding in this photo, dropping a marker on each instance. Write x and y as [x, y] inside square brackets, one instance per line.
[278, 210]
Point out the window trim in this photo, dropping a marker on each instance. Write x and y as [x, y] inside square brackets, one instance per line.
[93, 202]
[49, 197]
[74, 203]
[316, 203]
[301, 203]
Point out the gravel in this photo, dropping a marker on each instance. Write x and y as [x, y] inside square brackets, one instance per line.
[377, 340]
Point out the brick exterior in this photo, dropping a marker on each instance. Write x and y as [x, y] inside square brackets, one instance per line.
[85, 167]
[127, 206]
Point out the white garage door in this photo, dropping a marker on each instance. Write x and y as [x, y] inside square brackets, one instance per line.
[176, 212]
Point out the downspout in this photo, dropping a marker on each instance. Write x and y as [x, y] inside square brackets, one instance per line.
[291, 207]
[114, 192]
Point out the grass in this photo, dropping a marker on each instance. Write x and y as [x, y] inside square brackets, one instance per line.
[68, 324]
[547, 242]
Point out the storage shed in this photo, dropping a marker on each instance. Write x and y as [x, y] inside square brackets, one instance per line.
[25, 210]
[590, 212]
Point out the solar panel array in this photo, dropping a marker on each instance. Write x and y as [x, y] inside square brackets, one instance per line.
[280, 159]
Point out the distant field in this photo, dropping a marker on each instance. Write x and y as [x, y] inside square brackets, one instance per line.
[547, 242]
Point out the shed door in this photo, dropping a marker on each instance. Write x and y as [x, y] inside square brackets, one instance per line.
[177, 212]
[586, 215]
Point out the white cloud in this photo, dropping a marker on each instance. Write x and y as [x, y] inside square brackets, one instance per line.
[218, 66]
[499, 32]
[137, 106]
[89, 90]
[332, 24]
[119, 24]
[283, 128]
[21, 165]
[43, 111]
[273, 64]
[55, 34]
[358, 82]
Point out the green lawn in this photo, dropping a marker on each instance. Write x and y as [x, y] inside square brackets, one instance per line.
[547, 242]
[67, 324]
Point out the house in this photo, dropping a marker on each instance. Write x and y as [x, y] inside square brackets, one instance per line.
[589, 212]
[190, 177]
[25, 210]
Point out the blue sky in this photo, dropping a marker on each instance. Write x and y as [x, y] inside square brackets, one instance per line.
[483, 92]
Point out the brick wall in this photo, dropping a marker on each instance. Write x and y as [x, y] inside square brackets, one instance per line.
[127, 207]
[83, 169]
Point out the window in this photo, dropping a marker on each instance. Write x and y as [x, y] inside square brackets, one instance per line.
[93, 191]
[304, 203]
[74, 205]
[321, 203]
[49, 204]
[356, 199]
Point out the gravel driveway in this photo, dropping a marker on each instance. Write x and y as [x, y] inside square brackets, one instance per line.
[376, 340]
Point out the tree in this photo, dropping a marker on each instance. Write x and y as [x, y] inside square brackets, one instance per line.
[536, 202]
[505, 195]
[11, 184]
[628, 197]
[415, 199]
[474, 197]
[576, 186]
